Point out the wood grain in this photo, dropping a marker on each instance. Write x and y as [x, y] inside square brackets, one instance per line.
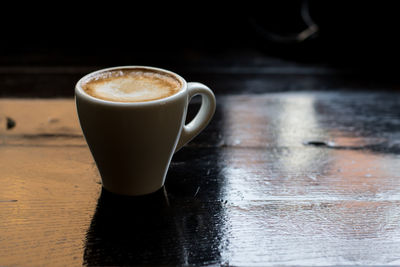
[276, 179]
[49, 184]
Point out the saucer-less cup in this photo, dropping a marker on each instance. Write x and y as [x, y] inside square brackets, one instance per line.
[133, 143]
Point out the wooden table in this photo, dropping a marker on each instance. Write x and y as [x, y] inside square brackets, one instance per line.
[284, 178]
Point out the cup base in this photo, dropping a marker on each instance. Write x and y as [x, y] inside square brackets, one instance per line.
[162, 188]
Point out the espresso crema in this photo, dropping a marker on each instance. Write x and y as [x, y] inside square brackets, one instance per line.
[131, 85]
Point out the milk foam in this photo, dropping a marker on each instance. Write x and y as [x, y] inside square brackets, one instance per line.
[131, 85]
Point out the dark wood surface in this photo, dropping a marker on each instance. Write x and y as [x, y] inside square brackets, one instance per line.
[300, 166]
[292, 178]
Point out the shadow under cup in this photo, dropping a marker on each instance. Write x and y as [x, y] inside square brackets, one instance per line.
[132, 143]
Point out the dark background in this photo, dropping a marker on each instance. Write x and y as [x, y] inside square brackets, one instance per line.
[48, 47]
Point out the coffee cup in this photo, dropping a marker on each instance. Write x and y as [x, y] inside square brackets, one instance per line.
[133, 120]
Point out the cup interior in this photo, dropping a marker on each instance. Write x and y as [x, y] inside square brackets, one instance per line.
[104, 75]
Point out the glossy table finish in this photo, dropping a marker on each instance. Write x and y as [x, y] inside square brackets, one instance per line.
[291, 178]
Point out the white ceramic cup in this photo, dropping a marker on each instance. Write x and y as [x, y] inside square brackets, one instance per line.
[133, 143]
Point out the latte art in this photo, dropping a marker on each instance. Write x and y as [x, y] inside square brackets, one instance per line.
[131, 85]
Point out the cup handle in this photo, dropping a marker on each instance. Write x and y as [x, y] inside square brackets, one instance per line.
[203, 116]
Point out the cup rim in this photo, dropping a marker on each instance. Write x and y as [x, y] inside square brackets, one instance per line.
[79, 91]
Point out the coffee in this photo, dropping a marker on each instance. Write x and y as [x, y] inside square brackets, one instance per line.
[131, 85]
[133, 143]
